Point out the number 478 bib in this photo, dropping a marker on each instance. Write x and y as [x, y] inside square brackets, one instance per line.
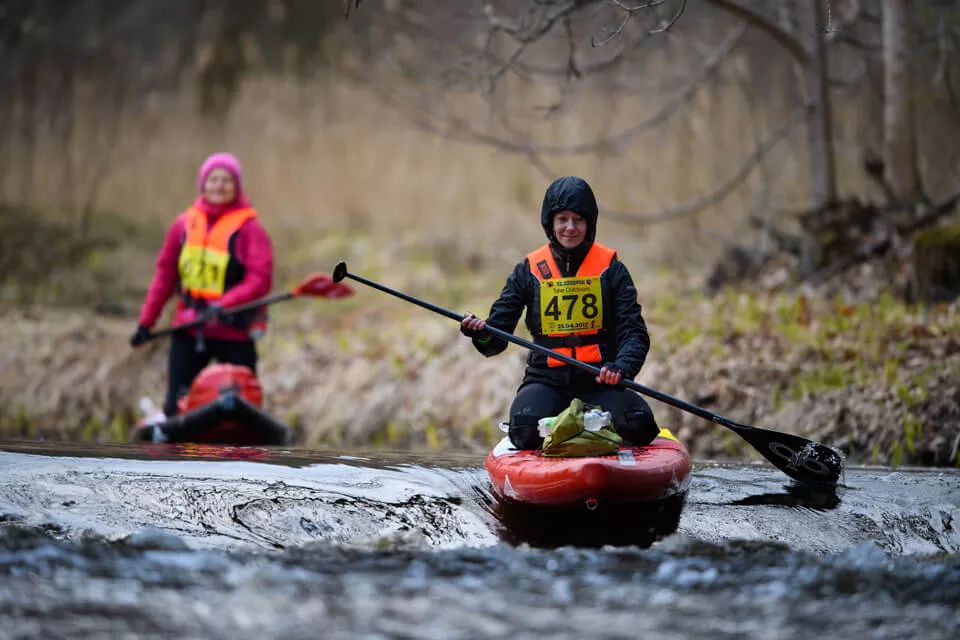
[570, 305]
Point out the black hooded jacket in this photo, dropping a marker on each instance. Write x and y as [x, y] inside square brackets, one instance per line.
[631, 342]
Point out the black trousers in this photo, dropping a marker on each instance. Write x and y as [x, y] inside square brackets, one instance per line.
[631, 414]
[186, 363]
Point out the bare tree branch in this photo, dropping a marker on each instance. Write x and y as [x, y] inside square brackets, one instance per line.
[726, 188]
[459, 128]
[628, 15]
[667, 24]
[616, 32]
[634, 9]
[540, 21]
[347, 6]
[787, 41]
[629, 45]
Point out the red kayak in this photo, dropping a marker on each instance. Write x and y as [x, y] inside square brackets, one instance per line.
[655, 472]
[223, 406]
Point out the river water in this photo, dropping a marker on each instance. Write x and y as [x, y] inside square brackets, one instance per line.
[153, 541]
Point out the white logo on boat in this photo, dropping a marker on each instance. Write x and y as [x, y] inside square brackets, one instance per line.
[508, 489]
[805, 458]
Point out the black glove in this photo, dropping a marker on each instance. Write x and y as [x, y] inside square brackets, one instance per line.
[470, 333]
[213, 313]
[613, 367]
[141, 335]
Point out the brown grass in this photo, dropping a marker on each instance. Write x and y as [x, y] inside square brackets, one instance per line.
[373, 372]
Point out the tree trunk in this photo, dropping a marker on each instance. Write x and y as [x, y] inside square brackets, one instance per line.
[29, 128]
[900, 146]
[823, 173]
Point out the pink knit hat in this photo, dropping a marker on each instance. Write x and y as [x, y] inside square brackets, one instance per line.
[222, 160]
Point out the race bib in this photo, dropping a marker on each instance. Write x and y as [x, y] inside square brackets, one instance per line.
[203, 270]
[570, 305]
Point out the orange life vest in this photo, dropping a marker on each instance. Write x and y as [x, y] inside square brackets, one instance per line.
[580, 337]
[206, 266]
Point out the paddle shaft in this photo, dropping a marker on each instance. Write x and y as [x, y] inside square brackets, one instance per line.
[509, 337]
[798, 457]
[240, 308]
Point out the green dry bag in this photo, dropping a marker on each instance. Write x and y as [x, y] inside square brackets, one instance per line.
[568, 437]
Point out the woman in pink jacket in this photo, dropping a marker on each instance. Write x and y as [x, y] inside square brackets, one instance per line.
[216, 255]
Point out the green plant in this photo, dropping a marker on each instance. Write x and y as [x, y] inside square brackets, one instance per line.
[912, 428]
[896, 454]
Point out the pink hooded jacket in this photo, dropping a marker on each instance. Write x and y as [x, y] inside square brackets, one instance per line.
[251, 246]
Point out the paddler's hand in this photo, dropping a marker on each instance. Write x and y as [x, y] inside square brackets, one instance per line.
[141, 335]
[610, 374]
[213, 313]
[473, 327]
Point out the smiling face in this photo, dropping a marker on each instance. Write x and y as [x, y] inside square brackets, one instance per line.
[569, 228]
[219, 187]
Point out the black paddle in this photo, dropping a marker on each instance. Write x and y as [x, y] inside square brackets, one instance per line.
[798, 457]
[318, 285]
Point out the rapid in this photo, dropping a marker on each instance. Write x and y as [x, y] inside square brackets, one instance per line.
[156, 541]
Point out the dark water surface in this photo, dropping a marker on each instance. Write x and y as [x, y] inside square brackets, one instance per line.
[154, 541]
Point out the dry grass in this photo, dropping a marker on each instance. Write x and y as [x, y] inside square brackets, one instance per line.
[858, 376]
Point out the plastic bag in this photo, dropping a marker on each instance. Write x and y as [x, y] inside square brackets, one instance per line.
[566, 435]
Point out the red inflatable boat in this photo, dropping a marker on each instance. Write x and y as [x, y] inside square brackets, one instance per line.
[223, 406]
[648, 474]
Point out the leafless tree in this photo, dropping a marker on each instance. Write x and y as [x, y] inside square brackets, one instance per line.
[480, 47]
[886, 56]
[900, 148]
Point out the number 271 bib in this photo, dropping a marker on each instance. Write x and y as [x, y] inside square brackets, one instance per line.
[570, 305]
[203, 270]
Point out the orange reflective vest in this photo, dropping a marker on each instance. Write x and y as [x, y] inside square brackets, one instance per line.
[206, 266]
[571, 309]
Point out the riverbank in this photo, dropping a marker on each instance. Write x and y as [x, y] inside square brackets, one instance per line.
[875, 378]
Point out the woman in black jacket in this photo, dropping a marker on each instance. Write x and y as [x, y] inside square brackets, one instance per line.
[580, 301]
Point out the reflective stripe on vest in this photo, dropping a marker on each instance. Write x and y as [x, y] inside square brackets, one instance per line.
[205, 255]
[572, 307]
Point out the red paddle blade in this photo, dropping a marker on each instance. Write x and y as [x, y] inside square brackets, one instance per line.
[321, 285]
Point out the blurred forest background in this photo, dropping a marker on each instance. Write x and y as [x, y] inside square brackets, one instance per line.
[700, 123]
[767, 145]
